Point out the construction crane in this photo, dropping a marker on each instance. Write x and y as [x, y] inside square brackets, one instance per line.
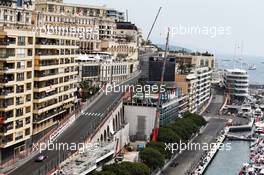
[157, 119]
[155, 20]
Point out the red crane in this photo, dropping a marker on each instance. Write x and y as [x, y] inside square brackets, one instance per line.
[157, 119]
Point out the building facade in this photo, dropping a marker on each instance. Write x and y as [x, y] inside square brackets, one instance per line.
[236, 82]
[16, 76]
[55, 79]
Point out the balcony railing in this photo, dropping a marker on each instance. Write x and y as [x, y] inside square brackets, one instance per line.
[46, 115]
[7, 55]
[6, 43]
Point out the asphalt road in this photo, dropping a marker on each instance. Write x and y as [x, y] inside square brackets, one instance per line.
[216, 103]
[188, 158]
[76, 133]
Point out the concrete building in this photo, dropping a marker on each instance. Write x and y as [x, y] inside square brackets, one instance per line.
[236, 82]
[16, 76]
[195, 59]
[203, 90]
[90, 23]
[101, 68]
[197, 85]
[141, 115]
[188, 85]
[55, 79]
[116, 15]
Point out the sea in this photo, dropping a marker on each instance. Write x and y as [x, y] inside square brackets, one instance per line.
[230, 162]
[230, 62]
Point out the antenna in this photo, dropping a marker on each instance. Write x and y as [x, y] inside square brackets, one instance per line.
[234, 56]
[242, 47]
[126, 15]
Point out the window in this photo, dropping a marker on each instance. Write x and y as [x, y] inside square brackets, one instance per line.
[29, 75]
[20, 53]
[19, 3]
[20, 76]
[28, 109]
[30, 40]
[19, 19]
[21, 41]
[29, 64]
[28, 98]
[28, 86]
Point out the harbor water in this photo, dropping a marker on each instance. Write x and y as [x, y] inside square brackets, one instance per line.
[230, 162]
[255, 76]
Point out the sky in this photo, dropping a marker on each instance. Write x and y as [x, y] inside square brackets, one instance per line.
[219, 26]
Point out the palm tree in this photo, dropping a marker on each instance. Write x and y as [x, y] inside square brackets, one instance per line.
[188, 67]
[182, 68]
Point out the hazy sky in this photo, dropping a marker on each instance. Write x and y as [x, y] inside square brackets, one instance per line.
[242, 21]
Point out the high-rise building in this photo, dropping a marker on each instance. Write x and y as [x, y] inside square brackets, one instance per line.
[55, 79]
[16, 76]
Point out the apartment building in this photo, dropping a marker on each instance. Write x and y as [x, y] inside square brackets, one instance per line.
[16, 76]
[55, 79]
[204, 79]
[90, 23]
[188, 84]
[195, 59]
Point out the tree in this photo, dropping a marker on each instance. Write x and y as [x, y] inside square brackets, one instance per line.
[135, 168]
[168, 136]
[160, 146]
[87, 89]
[152, 158]
[126, 168]
[104, 173]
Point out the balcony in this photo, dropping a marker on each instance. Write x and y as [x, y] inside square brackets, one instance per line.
[19, 124]
[7, 55]
[7, 66]
[7, 139]
[47, 115]
[7, 127]
[5, 116]
[47, 52]
[7, 41]
[45, 94]
[6, 103]
[6, 91]
[6, 78]
[45, 105]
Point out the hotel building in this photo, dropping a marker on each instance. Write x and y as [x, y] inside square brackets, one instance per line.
[89, 23]
[236, 82]
[101, 68]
